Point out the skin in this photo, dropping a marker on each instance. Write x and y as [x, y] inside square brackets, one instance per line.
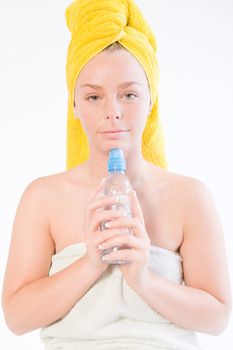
[112, 107]
[172, 211]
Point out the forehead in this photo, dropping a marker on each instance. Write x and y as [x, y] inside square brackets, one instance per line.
[118, 65]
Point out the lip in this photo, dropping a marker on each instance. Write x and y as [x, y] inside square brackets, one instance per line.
[114, 134]
[113, 131]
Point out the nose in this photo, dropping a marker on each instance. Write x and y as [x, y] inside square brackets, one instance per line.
[113, 110]
[112, 116]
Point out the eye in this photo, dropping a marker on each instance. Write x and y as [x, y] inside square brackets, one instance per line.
[130, 96]
[92, 98]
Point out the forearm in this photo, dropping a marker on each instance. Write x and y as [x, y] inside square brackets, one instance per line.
[50, 298]
[188, 307]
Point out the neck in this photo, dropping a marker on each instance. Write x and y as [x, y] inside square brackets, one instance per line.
[137, 168]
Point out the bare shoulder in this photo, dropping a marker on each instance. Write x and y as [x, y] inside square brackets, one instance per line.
[37, 194]
[193, 200]
[185, 184]
[195, 197]
[49, 184]
[183, 189]
[196, 201]
[197, 204]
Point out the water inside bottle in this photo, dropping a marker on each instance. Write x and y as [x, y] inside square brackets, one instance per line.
[124, 206]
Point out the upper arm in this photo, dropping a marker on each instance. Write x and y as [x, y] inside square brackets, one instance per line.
[203, 249]
[31, 245]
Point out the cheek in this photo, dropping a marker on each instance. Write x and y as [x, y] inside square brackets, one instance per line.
[87, 119]
[87, 126]
[140, 113]
[87, 110]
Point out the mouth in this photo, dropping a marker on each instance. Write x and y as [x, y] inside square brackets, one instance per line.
[113, 131]
[114, 134]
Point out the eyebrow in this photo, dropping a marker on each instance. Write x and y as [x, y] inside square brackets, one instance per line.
[124, 85]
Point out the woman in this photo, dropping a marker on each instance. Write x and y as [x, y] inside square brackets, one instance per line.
[177, 280]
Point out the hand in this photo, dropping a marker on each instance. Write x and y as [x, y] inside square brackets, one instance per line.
[135, 270]
[93, 216]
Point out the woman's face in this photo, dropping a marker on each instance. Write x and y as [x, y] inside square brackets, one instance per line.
[112, 92]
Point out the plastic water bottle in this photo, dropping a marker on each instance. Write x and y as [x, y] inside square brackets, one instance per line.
[117, 184]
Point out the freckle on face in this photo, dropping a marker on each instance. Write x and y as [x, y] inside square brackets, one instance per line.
[109, 70]
[120, 65]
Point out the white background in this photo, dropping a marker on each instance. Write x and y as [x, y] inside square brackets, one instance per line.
[195, 54]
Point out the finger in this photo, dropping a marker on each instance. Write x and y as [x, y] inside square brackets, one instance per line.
[99, 217]
[134, 224]
[92, 206]
[102, 202]
[125, 255]
[120, 240]
[105, 235]
[136, 208]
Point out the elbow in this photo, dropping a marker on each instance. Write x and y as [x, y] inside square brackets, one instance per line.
[15, 331]
[14, 325]
[219, 329]
[12, 319]
[221, 321]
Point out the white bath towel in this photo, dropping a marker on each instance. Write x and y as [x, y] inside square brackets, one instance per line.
[111, 315]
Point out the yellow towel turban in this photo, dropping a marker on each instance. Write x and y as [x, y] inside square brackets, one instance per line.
[94, 25]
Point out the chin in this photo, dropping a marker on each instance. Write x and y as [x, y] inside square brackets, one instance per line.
[106, 147]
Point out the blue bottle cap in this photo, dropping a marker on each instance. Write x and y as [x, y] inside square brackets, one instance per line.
[116, 160]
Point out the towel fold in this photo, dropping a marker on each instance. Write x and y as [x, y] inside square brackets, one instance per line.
[111, 315]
